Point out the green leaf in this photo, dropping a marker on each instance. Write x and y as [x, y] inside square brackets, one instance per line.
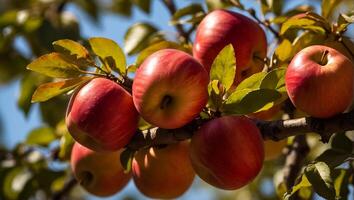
[308, 21]
[110, 54]
[122, 7]
[217, 4]
[54, 65]
[143, 125]
[215, 97]
[144, 5]
[42, 136]
[341, 181]
[248, 101]
[284, 50]
[328, 7]
[49, 90]
[158, 46]
[319, 175]
[27, 87]
[126, 159]
[303, 183]
[71, 49]
[66, 145]
[275, 6]
[333, 157]
[138, 37]
[223, 68]
[252, 82]
[195, 10]
[275, 79]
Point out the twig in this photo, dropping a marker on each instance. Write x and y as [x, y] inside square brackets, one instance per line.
[170, 5]
[252, 12]
[69, 185]
[294, 160]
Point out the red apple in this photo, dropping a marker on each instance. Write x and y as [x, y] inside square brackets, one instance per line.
[220, 28]
[100, 174]
[319, 81]
[170, 88]
[163, 172]
[101, 115]
[227, 152]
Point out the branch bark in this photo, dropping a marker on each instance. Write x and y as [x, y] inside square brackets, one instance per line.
[270, 130]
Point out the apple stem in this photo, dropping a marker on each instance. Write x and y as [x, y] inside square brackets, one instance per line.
[323, 58]
[166, 100]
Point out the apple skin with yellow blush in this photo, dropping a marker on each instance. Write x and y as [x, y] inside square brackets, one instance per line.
[163, 172]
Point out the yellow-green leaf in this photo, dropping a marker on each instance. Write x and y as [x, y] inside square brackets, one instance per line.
[328, 6]
[54, 65]
[224, 67]
[71, 48]
[138, 37]
[302, 23]
[42, 136]
[110, 54]
[284, 50]
[49, 90]
[248, 101]
[252, 82]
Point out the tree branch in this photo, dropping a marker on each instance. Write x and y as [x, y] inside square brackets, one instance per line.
[270, 130]
[294, 160]
[171, 6]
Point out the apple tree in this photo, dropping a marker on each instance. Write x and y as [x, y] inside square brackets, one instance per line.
[247, 100]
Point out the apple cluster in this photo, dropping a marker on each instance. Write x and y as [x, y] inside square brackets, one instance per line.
[170, 90]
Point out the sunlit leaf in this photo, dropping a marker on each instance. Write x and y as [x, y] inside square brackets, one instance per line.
[42, 136]
[71, 48]
[54, 65]
[195, 11]
[284, 50]
[274, 79]
[308, 21]
[319, 175]
[66, 144]
[217, 4]
[303, 183]
[328, 6]
[49, 90]
[252, 82]
[110, 54]
[223, 68]
[138, 37]
[341, 181]
[248, 101]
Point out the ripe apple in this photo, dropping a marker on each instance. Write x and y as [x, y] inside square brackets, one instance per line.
[100, 173]
[319, 81]
[170, 88]
[227, 152]
[101, 115]
[163, 172]
[220, 28]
